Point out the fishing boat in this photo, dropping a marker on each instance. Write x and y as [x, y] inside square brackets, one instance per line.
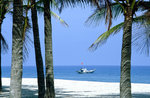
[84, 70]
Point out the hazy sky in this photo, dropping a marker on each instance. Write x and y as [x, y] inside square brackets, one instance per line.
[70, 44]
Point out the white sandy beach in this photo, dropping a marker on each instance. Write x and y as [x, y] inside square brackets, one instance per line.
[78, 89]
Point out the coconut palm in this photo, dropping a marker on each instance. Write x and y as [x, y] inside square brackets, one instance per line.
[17, 50]
[4, 7]
[50, 91]
[128, 8]
[39, 60]
[38, 6]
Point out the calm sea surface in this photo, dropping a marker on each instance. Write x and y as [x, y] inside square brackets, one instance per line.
[139, 74]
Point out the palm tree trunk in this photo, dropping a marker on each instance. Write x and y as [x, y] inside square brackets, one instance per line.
[50, 91]
[0, 59]
[38, 55]
[125, 81]
[17, 50]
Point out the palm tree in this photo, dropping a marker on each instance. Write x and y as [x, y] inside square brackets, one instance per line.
[17, 50]
[50, 91]
[4, 7]
[125, 80]
[39, 61]
[34, 7]
[128, 8]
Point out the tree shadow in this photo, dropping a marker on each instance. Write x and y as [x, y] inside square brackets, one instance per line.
[134, 95]
[141, 95]
[27, 92]
[5, 92]
[61, 93]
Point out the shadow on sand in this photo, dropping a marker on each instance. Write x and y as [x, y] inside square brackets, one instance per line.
[118, 96]
[26, 92]
[61, 93]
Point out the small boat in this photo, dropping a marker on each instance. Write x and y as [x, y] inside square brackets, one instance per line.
[84, 70]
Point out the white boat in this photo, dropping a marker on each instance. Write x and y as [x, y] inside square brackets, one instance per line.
[84, 70]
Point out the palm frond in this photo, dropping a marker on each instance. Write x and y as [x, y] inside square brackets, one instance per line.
[4, 8]
[59, 18]
[141, 40]
[116, 10]
[96, 3]
[72, 3]
[54, 4]
[108, 15]
[143, 20]
[103, 37]
[83, 3]
[40, 9]
[26, 44]
[26, 37]
[99, 15]
[96, 17]
[4, 45]
[144, 5]
[141, 34]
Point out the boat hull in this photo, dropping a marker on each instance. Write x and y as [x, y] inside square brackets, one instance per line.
[89, 71]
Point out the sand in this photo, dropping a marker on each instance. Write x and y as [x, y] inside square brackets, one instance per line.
[77, 89]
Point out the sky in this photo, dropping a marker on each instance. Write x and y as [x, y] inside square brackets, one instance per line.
[70, 44]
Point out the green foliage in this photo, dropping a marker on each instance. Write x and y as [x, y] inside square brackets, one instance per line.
[141, 34]
[83, 3]
[4, 44]
[59, 18]
[4, 9]
[141, 40]
[103, 37]
[97, 17]
[133, 4]
[117, 9]
[27, 26]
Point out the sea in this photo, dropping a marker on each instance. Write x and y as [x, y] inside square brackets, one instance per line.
[139, 74]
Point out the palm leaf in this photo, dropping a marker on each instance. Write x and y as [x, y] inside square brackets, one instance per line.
[26, 31]
[141, 35]
[59, 18]
[103, 37]
[26, 37]
[99, 15]
[40, 8]
[53, 4]
[108, 15]
[4, 8]
[97, 3]
[144, 5]
[73, 3]
[141, 40]
[26, 44]
[3, 43]
[96, 17]
[114, 30]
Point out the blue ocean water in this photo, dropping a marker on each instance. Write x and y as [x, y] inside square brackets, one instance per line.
[139, 74]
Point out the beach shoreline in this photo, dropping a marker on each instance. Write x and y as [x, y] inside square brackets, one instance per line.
[77, 89]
